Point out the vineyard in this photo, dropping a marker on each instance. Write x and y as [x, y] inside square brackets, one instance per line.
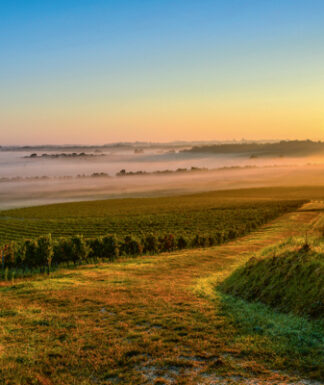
[205, 215]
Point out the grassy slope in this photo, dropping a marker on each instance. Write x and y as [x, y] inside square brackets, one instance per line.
[287, 277]
[146, 319]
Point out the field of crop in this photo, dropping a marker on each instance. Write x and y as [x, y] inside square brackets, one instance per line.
[203, 214]
[158, 320]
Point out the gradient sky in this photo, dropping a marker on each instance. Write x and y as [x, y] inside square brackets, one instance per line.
[158, 70]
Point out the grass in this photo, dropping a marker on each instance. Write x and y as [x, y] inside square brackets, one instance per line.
[283, 337]
[288, 277]
[153, 320]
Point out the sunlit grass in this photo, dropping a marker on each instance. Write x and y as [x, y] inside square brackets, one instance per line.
[142, 320]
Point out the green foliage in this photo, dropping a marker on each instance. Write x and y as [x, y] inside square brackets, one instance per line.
[45, 251]
[30, 251]
[109, 247]
[79, 249]
[150, 244]
[62, 251]
[131, 246]
[199, 241]
[289, 278]
[182, 242]
[167, 243]
[136, 227]
[9, 255]
[95, 247]
[208, 214]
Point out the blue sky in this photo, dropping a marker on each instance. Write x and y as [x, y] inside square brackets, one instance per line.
[160, 70]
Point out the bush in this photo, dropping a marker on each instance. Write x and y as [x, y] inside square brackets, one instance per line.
[9, 255]
[232, 234]
[219, 237]
[199, 241]
[20, 255]
[150, 244]
[182, 242]
[79, 249]
[131, 246]
[211, 241]
[109, 247]
[45, 251]
[30, 251]
[62, 251]
[167, 243]
[95, 246]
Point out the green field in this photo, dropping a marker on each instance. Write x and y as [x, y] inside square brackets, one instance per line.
[189, 215]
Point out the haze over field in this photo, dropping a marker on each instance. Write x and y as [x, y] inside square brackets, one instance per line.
[64, 161]
[38, 175]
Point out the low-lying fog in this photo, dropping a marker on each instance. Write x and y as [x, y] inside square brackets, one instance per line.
[286, 171]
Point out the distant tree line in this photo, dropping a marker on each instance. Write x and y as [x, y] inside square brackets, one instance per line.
[282, 148]
[123, 172]
[45, 178]
[63, 155]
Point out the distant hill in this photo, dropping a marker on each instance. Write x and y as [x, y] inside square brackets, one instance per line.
[119, 146]
[254, 150]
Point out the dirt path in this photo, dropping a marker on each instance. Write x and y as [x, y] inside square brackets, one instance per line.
[147, 320]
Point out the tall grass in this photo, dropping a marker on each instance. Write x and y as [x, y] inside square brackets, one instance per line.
[288, 277]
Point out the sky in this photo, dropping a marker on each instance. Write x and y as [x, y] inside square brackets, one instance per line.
[94, 72]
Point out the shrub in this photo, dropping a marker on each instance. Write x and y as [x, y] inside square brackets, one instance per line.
[9, 255]
[167, 243]
[211, 241]
[182, 242]
[45, 251]
[30, 251]
[62, 251]
[199, 241]
[20, 255]
[150, 244]
[95, 246]
[109, 247]
[219, 237]
[131, 246]
[232, 234]
[79, 249]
